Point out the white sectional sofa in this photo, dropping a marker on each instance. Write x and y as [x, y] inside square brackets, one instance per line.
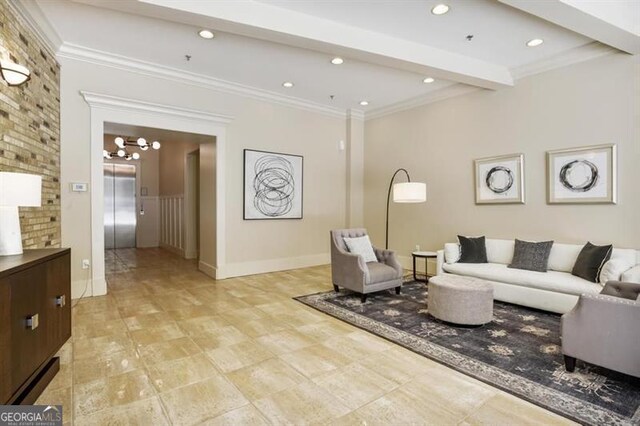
[555, 290]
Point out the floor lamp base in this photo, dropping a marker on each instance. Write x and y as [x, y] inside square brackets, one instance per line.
[10, 236]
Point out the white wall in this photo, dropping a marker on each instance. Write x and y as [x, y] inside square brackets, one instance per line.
[208, 203]
[252, 246]
[590, 103]
[173, 157]
[173, 218]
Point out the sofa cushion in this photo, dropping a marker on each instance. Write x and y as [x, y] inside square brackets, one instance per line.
[623, 290]
[561, 282]
[612, 270]
[362, 247]
[499, 251]
[631, 275]
[563, 256]
[590, 261]
[472, 250]
[630, 257]
[531, 256]
[451, 252]
[379, 272]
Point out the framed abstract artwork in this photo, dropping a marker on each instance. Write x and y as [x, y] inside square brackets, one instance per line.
[500, 180]
[582, 175]
[272, 185]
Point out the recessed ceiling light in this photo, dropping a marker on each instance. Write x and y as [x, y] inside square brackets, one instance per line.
[287, 84]
[440, 9]
[429, 80]
[206, 34]
[535, 42]
[337, 61]
[364, 103]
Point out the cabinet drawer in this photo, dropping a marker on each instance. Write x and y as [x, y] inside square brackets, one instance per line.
[28, 344]
[5, 341]
[58, 326]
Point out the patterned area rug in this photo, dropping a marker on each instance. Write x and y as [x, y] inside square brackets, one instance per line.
[519, 352]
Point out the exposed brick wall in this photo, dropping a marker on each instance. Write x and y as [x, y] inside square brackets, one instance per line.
[30, 126]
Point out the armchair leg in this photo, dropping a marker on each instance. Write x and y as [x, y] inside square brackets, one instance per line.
[336, 288]
[363, 298]
[569, 363]
[398, 289]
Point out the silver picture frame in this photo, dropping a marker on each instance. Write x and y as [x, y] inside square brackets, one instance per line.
[500, 179]
[584, 175]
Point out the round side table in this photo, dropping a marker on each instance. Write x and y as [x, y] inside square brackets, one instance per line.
[426, 255]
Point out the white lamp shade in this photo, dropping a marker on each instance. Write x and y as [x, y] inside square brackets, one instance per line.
[410, 192]
[14, 74]
[20, 189]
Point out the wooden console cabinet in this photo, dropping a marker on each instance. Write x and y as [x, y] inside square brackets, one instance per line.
[35, 321]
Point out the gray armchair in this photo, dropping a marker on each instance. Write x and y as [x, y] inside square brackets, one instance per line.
[350, 270]
[604, 329]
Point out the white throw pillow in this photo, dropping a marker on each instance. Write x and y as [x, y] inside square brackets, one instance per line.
[612, 270]
[451, 252]
[361, 246]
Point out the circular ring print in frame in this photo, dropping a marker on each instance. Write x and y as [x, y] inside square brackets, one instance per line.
[579, 175]
[499, 179]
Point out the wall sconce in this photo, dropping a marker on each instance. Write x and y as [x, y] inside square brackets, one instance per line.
[14, 74]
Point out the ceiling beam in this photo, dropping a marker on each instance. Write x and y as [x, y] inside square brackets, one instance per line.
[279, 25]
[615, 23]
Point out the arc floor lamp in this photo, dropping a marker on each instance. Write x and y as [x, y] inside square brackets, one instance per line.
[404, 192]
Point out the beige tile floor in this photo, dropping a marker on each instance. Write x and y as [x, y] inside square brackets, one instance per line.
[169, 345]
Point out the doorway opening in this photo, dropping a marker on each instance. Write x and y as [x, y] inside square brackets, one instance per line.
[153, 197]
[192, 205]
[105, 109]
[119, 206]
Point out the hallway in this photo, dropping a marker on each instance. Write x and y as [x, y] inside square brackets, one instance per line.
[169, 345]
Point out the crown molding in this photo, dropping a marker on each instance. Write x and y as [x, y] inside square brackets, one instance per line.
[98, 100]
[37, 22]
[579, 54]
[85, 54]
[355, 114]
[428, 98]
[99, 57]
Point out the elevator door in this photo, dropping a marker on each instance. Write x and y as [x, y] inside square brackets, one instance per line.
[119, 206]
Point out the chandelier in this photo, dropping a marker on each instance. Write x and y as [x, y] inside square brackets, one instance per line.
[123, 143]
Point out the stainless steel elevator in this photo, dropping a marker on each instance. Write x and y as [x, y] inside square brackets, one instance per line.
[119, 206]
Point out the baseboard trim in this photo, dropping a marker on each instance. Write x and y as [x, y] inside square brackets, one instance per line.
[78, 287]
[190, 254]
[207, 269]
[271, 265]
[175, 250]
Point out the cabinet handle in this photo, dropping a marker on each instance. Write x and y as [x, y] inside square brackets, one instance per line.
[33, 322]
[61, 301]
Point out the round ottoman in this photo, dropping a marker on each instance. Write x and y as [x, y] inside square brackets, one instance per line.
[460, 300]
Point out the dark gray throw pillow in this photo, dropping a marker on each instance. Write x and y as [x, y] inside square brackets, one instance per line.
[472, 250]
[590, 261]
[531, 256]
